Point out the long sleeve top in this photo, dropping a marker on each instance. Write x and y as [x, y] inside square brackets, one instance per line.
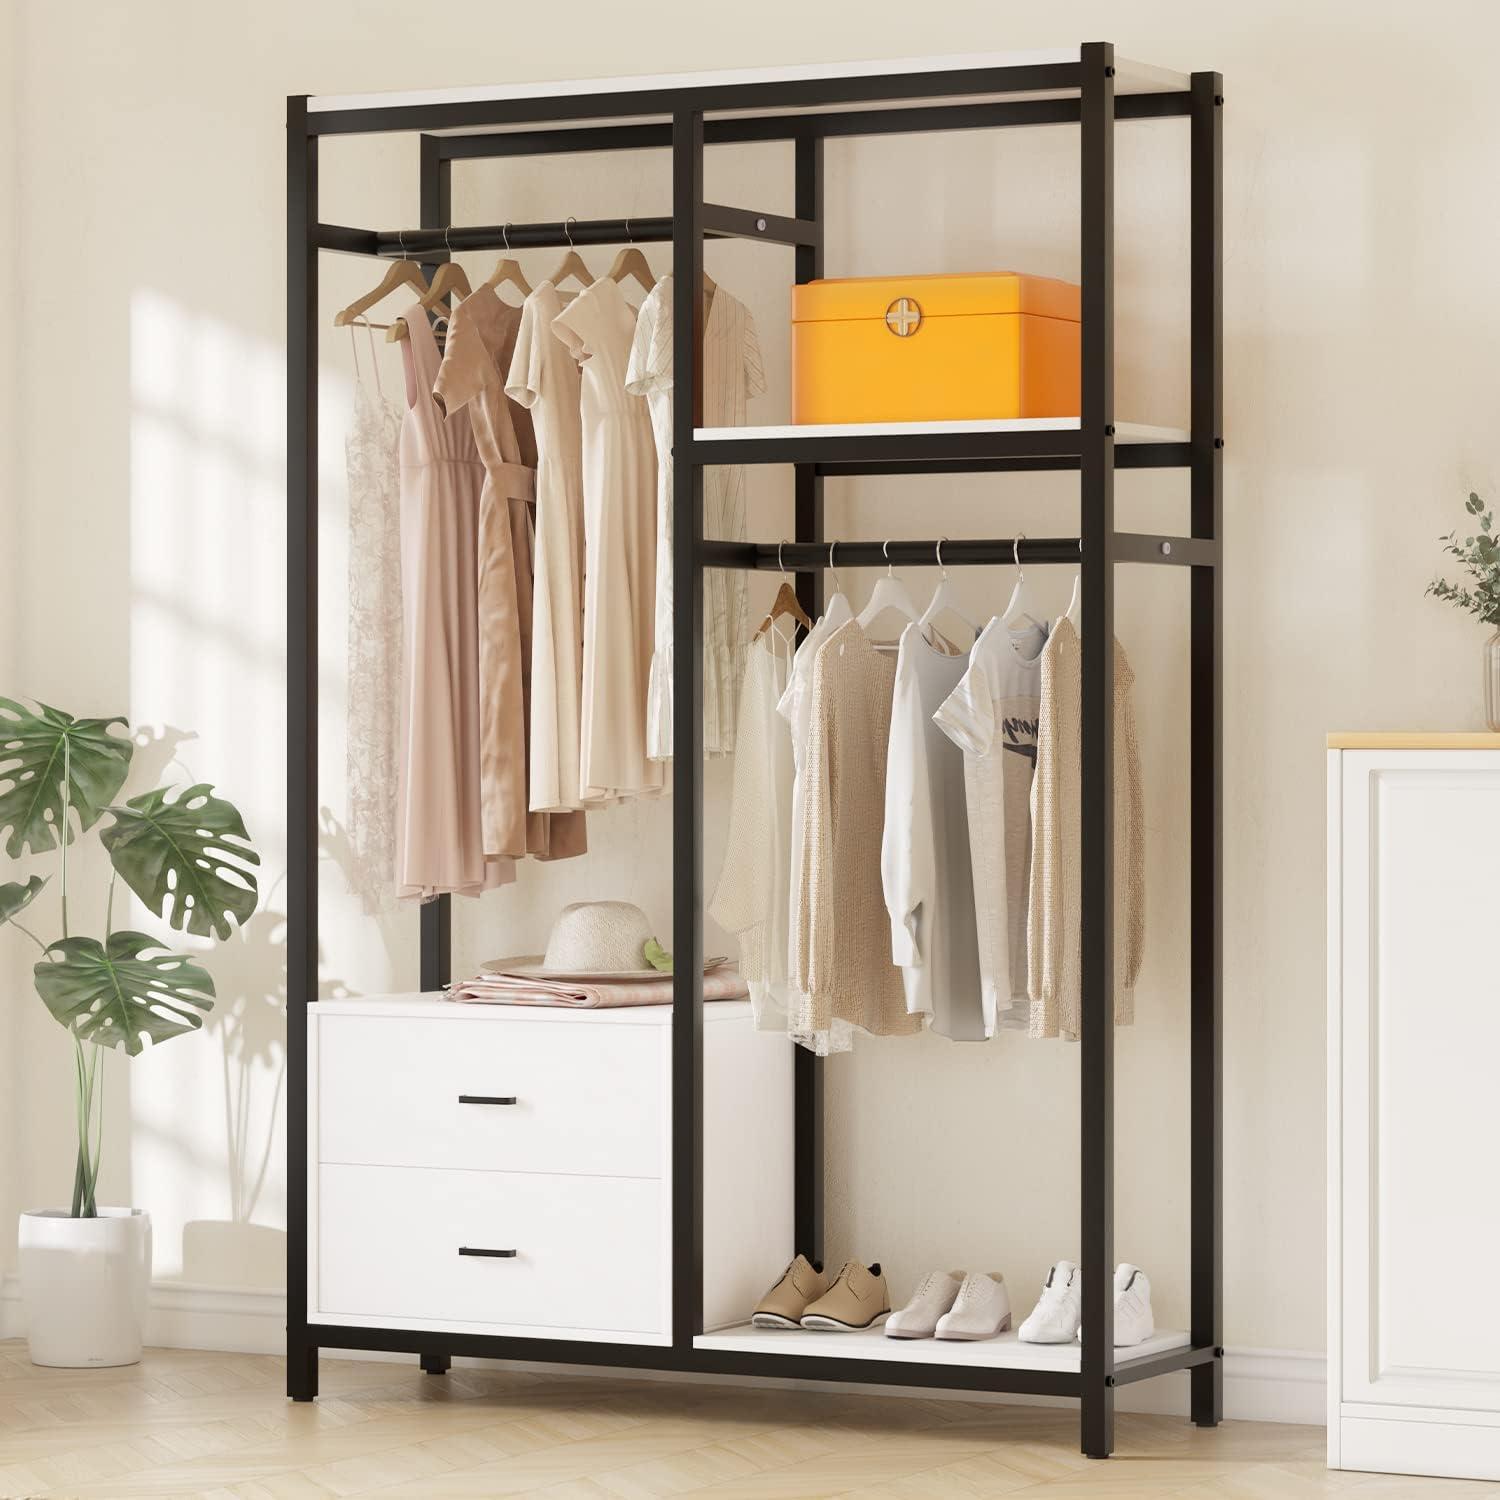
[925, 864]
[1054, 922]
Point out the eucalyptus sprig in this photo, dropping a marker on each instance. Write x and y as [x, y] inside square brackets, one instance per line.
[1480, 555]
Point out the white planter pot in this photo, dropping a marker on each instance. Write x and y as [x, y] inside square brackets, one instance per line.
[83, 1286]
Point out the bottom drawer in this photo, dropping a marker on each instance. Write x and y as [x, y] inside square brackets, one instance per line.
[587, 1250]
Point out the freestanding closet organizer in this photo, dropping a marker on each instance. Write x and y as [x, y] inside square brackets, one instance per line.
[1088, 89]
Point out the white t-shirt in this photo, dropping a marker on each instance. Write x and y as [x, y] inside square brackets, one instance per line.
[992, 717]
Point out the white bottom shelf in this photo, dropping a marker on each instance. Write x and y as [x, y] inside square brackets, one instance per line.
[1005, 1353]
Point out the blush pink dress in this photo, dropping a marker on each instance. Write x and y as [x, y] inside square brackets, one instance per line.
[439, 832]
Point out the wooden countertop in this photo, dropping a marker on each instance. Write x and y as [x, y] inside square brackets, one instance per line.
[1414, 739]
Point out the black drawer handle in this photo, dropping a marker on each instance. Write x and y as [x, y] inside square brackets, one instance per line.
[487, 1254]
[486, 1098]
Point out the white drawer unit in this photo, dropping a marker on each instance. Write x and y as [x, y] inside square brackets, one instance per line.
[507, 1171]
[1413, 1033]
[520, 1249]
[520, 1098]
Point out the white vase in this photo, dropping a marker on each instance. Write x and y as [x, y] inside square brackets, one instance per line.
[83, 1286]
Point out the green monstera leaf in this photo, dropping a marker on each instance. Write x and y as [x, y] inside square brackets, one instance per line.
[117, 992]
[189, 860]
[34, 747]
[16, 897]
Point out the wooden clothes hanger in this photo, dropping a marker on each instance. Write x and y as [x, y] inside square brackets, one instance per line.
[944, 597]
[508, 270]
[572, 263]
[449, 281]
[631, 262]
[398, 274]
[889, 593]
[786, 604]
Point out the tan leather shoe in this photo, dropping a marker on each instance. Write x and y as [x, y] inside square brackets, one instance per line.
[784, 1304]
[857, 1299]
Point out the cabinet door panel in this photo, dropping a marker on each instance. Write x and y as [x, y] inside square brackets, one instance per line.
[1421, 1078]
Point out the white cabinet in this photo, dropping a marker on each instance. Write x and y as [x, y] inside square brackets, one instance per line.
[491, 1169]
[1413, 1079]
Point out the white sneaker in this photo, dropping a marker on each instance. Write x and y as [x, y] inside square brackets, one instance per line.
[1134, 1323]
[980, 1311]
[1055, 1318]
[932, 1298]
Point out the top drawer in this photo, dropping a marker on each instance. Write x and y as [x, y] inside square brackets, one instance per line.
[588, 1098]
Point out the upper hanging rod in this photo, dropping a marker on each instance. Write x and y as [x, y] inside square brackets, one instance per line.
[719, 221]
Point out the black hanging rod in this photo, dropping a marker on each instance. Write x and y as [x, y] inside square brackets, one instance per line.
[810, 557]
[958, 552]
[719, 221]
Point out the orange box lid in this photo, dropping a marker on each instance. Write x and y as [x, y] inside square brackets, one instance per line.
[963, 294]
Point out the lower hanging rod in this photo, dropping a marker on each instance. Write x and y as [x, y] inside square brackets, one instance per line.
[809, 557]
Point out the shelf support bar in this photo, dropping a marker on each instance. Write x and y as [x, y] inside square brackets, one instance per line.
[1097, 511]
[1206, 727]
[687, 733]
[807, 1069]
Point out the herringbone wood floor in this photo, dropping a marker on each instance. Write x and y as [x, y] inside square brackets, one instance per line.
[217, 1425]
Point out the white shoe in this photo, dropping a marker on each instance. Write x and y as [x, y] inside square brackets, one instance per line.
[932, 1298]
[980, 1311]
[1134, 1323]
[1055, 1318]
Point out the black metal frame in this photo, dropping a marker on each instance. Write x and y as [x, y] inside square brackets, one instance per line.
[685, 120]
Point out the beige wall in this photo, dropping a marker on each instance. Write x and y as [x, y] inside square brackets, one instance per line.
[1360, 323]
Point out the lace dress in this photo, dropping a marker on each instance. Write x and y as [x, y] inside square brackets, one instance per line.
[374, 640]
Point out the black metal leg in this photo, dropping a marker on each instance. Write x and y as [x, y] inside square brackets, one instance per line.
[687, 733]
[302, 712]
[807, 1088]
[302, 1371]
[1206, 656]
[1096, 506]
[434, 1363]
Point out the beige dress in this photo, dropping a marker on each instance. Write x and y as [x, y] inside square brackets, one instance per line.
[732, 373]
[845, 977]
[1054, 920]
[544, 378]
[439, 833]
[619, 528]
[481, 338]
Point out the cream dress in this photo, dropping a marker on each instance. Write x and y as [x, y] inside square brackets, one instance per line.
[732, 373]
[544, 378]
[752, 898]
[619, 528]
[374, 634]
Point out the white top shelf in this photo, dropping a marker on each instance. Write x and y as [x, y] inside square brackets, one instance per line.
[1004, 1353]
[1130, 78]
[1125, 432]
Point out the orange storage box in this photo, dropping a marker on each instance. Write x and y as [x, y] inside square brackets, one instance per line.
[935, 348]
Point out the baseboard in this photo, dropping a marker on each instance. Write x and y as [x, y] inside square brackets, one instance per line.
[1260, 1385]
[184, 1315]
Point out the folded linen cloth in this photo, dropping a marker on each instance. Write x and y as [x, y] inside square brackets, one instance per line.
[721, 983]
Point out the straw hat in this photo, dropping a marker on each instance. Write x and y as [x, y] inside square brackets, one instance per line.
[592, 940]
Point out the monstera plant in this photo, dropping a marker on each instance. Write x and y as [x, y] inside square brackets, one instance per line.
[184, 853]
